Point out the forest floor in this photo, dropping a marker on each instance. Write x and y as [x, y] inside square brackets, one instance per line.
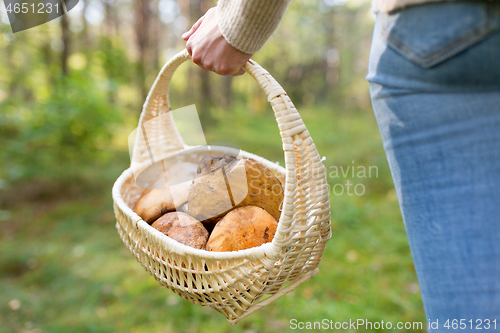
[63, 267]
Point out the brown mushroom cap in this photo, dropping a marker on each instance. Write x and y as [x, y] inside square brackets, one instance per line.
[155, 202]
[240, 183]
[242, 228]
[183, 228]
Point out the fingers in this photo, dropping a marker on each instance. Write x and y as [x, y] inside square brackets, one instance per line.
[225, 70]
[197, 58]
[210, 50]
[193, 29]
[240, 72]
[208, 66]
[212, 66]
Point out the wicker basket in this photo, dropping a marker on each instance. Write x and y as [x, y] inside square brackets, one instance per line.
[241, 282]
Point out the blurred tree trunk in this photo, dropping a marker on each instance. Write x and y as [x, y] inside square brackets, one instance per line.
[109, 19]
[46, 51]
[155, 37]
[10, 65]
[332, 68]
[142, 38]
[227, 82]
[206, 93]
[85, 29]
[196, 11]
[192, 77]
[65, 40]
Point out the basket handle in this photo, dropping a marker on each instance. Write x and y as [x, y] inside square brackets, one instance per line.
[297, 142]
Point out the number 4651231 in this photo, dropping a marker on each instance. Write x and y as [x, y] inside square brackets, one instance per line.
[39, 8]
[479, 324]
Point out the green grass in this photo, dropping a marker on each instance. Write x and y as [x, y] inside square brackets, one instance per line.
[62, 258]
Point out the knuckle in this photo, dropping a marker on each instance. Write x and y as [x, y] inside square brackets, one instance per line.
[209, 67]
[224, 70]
[197, 58]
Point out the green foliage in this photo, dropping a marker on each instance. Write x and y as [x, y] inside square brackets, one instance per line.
[63, 142]
[73, 124]
[114, 59]
[71, 272]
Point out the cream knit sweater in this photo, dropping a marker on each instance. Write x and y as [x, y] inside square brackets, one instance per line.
[247, 24]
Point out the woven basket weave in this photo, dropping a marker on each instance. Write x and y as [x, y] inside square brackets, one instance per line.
[241, 282]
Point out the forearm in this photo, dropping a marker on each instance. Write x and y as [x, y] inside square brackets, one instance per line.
[248, 24]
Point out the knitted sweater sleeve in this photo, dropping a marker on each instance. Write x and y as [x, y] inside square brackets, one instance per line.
[247, 24]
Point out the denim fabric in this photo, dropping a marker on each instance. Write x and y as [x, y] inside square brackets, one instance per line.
[434, 78]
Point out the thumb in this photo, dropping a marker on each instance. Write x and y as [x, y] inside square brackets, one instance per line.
[193, 29]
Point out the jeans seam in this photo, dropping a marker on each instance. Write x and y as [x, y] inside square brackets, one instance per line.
[478, 32]
[464, 41]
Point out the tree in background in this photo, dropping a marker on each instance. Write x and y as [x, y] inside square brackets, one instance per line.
[66, 87]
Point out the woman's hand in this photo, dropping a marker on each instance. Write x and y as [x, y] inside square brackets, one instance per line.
[210, 50]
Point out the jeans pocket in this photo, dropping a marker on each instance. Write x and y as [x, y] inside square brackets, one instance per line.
[432, 33]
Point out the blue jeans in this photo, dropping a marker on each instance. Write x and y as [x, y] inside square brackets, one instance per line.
[434, 78]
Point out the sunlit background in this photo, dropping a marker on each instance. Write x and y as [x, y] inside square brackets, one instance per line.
[71, 92]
